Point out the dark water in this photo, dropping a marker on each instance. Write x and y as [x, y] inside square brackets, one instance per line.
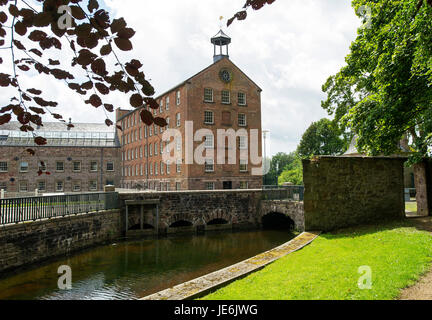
[131, 270]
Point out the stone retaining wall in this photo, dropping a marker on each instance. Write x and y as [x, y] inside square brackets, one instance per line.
[347, 191]
[26, 243]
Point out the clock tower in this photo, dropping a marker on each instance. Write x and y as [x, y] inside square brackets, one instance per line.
[220, 40]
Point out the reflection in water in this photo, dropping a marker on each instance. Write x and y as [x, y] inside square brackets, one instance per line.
[130, 270]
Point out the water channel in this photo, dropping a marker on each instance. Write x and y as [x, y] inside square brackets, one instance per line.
[134, 269]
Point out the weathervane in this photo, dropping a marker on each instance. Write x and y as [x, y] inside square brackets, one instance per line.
[220, 22]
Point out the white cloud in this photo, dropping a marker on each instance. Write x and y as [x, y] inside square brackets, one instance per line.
[288, 48]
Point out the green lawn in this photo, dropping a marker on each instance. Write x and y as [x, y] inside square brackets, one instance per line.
[411, 206]
[396, 252]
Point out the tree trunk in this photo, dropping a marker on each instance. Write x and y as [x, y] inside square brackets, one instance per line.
[421, 188]
[429, 183]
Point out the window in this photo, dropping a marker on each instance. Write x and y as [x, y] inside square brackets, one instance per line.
[156, 149]
[151, 149]
[110, 166]
[167, 103]
[151, 168]
[178, 98]
[178, 166]
[243, 165]
[77, 166]
[208, 117]
[178, 122]
[24, 166]
[93, 185]
[155, 129]
[140, 152]
[208, 95]
[93, 166]
[145, 151]
[241, 98]
[168, 167]
[162, 167]
[76, 186]
[3, 166]
[110, 182]
[42, 166]
[161, 148]
[156, 169]
[3, 186]
[145, 132]
[151, 131]
[226, 98]
[243, 185]
[242, 119]
[23, 186]
[178, 143]
[242, 142]
[209, 142]
[140, 133]
[178, 186]
[209, 165]
[161, 106]
[209, 186]
[41, 186]
[59, 186]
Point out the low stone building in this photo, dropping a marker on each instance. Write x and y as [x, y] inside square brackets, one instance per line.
[79, 159]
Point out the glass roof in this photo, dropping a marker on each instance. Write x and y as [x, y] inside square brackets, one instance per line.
[59, 138]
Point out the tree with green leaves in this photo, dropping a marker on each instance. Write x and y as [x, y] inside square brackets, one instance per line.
[278, 162]
[322, 138]
[385, 91]
[293, 172]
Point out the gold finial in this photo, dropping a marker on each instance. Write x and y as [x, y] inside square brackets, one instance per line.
[220, 19]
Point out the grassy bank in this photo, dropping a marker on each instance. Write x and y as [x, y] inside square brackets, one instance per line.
[396, 252]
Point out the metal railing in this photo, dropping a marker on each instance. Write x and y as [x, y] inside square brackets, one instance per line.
[295, 193]
[15, 210]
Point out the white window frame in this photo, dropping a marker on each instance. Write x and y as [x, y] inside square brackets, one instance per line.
[243, 165]
[242, 121]
[225, 94]
[178, 96]
[209, 165]
[26, 168]
[208, 92]
[93, 185]
[112, 164]
[239, 94]
[207, 115]
[4, 166]
[73, 166]
[91, 166]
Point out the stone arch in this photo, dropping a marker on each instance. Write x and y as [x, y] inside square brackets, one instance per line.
[277, 220]
[291, 209]
[217, 214]
[194, 220]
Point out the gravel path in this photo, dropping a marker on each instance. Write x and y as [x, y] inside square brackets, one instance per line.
[422, 290]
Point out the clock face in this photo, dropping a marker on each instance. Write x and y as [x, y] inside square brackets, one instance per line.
[225, 75]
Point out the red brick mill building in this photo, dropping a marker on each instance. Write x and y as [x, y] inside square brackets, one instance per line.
[89, 156]
[219, 97]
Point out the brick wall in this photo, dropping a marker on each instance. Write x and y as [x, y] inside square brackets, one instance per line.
[345, 191]
[68, 155]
